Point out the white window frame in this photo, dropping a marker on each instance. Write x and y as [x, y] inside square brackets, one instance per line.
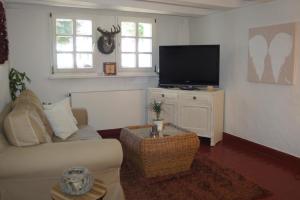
[154, 45]
[74, 17]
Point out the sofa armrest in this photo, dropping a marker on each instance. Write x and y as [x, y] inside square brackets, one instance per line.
[51, 159]
[81, 116]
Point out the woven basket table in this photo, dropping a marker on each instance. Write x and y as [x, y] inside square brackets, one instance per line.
[159, 156]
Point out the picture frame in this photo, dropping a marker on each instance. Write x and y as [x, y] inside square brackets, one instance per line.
[110, 68]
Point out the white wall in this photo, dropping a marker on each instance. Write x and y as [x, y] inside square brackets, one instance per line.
[28, 30]
[263, 113]
[4, 85]
[113, 109]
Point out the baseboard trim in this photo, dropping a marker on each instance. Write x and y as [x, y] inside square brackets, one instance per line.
[288, 160]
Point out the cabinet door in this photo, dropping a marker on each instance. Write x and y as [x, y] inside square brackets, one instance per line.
[196, 118]
[169, 112]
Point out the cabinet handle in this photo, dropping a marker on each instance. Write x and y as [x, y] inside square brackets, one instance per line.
[162, 95]
[194, 97]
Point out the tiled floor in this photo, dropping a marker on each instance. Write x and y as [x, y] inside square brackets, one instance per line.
[282, 179]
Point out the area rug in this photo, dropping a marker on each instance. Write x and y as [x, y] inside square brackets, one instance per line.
[205, 181]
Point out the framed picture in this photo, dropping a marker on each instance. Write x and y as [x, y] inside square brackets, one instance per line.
[110, 68]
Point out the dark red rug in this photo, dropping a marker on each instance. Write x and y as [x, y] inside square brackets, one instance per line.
[205, 181]
[111, 133]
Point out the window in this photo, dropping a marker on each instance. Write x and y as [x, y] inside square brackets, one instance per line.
[73, 45]
[136, 44]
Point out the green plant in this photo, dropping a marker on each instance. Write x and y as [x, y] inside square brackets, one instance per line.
[17, 82]
[156, 107]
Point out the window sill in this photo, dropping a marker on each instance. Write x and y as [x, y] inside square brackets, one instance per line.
[93, 75]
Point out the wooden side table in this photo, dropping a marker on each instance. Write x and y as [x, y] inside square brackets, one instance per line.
[97, 192]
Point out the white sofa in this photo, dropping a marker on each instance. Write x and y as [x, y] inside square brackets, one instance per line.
[28, 173]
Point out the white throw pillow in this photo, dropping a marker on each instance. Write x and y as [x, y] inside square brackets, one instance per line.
[60, 119]
[66, 104]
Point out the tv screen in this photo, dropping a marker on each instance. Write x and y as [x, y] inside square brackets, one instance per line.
[189, 65]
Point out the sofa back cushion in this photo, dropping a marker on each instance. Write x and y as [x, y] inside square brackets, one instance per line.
[24, 127]
[28, 97]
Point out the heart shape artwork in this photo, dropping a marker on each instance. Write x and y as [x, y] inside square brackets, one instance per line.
[279, 49]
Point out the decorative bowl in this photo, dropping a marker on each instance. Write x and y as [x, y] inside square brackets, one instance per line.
[76, 181]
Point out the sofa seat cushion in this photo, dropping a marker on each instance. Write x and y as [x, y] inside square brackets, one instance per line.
[84, 133]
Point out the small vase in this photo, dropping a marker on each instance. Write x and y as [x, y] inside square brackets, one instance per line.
[76, 181]
[154, 132]
[159, 124]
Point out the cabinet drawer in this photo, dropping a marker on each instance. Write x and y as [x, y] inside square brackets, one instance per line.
[162, 96]
[195, 98]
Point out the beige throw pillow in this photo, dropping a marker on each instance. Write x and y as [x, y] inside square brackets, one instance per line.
[24, 127]
[28, 97]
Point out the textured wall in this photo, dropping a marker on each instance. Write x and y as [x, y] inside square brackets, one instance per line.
[28, 29]
[263, 113]
[29, 34]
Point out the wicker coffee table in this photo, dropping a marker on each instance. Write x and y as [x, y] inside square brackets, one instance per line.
[160, 156]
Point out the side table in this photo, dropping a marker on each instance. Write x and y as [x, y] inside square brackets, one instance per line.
[97, 192]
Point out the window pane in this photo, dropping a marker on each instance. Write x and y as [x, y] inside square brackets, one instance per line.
[64, 26]
[128, 60]
[145, 30]
[145, 45]
[64, 43]
[84, 60]
[128, 29]
[84, 27]
[128, 44]
[145, 60]
[65, 61]
[84, 44]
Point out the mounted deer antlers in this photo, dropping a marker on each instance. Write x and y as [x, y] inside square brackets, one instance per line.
[106, 43]
[114, 30]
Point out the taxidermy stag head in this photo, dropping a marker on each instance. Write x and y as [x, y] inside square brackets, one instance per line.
[106, 43]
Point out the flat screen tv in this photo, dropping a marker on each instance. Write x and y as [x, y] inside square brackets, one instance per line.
[190, 65]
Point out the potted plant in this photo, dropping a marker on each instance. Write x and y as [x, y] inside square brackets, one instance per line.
[17, 82]
[156, 107]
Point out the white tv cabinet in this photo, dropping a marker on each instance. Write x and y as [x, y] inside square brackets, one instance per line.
[200, 111]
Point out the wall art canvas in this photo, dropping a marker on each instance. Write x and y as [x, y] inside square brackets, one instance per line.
[272, 52]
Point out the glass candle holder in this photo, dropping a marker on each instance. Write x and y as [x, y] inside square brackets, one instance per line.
[76, 181]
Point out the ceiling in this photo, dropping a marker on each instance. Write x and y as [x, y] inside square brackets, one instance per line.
[169, 7]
